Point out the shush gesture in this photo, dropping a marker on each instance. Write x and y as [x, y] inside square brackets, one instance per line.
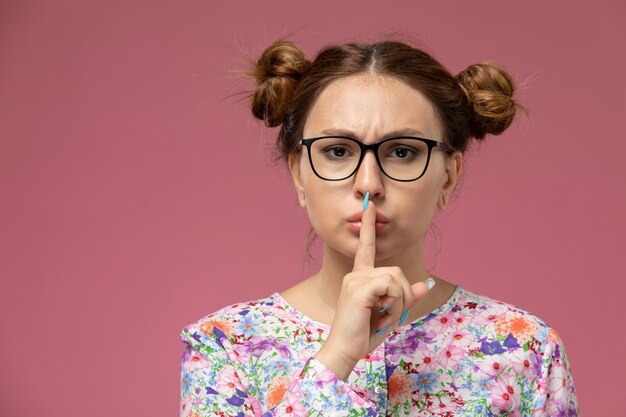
[372, 302]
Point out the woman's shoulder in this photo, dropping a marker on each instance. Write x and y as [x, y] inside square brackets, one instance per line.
[493, 306]
[235, 323]
[504, 321]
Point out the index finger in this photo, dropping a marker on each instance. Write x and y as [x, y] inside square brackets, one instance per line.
[366, 250]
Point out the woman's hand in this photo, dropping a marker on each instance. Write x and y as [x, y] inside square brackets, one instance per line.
[364, 291]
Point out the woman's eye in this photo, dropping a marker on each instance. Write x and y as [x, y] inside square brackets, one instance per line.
[403, 153]
[336, 152]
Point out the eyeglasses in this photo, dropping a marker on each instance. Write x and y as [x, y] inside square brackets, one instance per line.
[401, 158]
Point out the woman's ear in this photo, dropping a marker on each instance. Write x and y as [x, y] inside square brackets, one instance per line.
[294, 167]
[454, 165]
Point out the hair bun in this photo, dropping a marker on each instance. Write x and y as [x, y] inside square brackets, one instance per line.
[276, 72]
[489, 89]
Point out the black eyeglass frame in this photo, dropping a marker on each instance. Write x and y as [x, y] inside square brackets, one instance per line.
[431, 143]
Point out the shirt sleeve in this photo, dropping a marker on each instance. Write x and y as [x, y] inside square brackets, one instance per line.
[555, 392]
[212, 385]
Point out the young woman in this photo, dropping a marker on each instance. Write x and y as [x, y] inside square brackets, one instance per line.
[374, 136]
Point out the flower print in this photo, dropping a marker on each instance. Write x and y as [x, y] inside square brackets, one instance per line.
[185, 383]
[484, 382]
[394, 352]
[450, 356]
[550, 398]
[510, 342]
[334, 386]
[554, 337]
[301, 354]
[475, 358]
[556, 409]
[283, 348]
[420, 335]
[249, 325]
[186, 407]
[491, 318]
[443, 405]
[377, 354]
[227, 381]
[479, 409]
[557, 382]
[195, 362]
[541, 412]
[399, 386]
[324, 376]
[526, 364]
[400, 348]
[505, 393]
[426, 359]
[292, 407]
[442, 322]
[225, 326]
[519, 326]
[277, 365]
[277, 390]
[541, 407]
[409, 344]
[256, 345]
[233, 308]
[424, 382]
[326, 403]
[492, 364]
[484, 319]
[359, 401]
[460, 320]
[491, 348]
[463, 338]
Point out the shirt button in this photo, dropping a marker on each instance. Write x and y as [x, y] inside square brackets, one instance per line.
[378, 389]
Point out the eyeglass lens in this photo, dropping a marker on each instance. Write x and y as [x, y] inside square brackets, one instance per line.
[337, 158]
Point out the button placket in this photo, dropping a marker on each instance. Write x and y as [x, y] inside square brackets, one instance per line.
[382, 399]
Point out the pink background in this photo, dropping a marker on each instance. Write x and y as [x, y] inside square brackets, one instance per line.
[138, 194]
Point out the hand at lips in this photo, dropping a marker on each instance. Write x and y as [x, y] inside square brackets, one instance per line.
[372, 302]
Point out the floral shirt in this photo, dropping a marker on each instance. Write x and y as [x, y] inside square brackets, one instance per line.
[472, 356]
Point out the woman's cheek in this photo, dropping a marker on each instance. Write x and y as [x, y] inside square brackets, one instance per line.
[416, 220]
[329, 226]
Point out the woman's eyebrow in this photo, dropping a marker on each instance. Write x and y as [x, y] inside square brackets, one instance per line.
[398, 132]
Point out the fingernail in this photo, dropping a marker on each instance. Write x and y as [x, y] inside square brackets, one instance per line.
[383, 309]
[430, 282]
[403, 317]
[381, 330]
[366, 200]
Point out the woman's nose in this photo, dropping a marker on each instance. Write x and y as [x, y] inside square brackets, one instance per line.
[369, 177]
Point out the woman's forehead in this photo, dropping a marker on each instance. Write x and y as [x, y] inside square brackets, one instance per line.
[371, 106]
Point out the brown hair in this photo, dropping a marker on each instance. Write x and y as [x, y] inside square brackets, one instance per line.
[476, 102]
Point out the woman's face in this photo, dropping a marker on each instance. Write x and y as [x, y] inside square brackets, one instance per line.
[372, 107]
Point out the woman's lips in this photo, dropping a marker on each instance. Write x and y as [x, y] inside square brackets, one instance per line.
[356, 217]
[354, 221]
[356, 226]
